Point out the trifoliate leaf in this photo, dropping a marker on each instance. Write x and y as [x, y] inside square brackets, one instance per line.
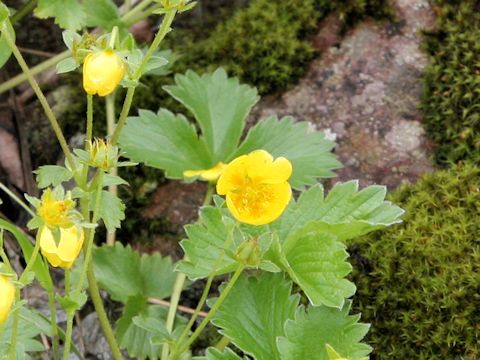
[52, 175]
[254, 313]
[308, 150]
[346, 212]
[112, 210]
[205, 244]
[68, 14]
[220, 106]
[215, 354]
[123, 273]
[306, 336]
[164, 141]
[103, 13]
[136, 339]
[5, 50]
[316, 261]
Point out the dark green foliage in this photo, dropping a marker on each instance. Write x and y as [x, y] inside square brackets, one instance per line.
[419, 282]
[451, 100]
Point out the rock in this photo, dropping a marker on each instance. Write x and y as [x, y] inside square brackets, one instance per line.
[367, 92]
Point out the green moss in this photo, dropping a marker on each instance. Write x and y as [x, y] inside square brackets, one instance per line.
[451, 96]
[419, 282]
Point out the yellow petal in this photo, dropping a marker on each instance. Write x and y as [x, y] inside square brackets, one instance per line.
[7, 297]
[211, 174]
[262, 168]
[233, 176]
[63, 255]
[261, 205]
[102, 72]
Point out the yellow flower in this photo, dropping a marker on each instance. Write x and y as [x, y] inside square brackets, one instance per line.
[102, 72]
[68, 248]
[256, 187]
[7, 297]
[53, 211]
[211, 174]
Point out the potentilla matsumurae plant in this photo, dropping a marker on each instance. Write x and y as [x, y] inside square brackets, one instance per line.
[267, 228]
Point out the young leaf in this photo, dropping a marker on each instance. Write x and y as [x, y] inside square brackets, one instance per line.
[123, 273]
[112, 210]
[66, 65]
[307, 336]
[220, 106]
[5, 51]
[346, 212]
[215, 354]
[309, 151]
[164, 141]
[103, 13]
[68, 14]
[205, 244]
[52, 175]
[316, 261]
[254, 313]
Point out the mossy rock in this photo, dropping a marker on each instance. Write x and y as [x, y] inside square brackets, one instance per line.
[452, 82]
[419, 282]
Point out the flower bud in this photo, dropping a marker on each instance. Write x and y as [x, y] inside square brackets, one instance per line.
[7, 297]
[102, 72]
[249, 253]
[102, 154]
[66, 251]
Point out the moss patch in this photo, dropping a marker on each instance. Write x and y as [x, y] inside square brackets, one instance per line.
[419, 282]
[452, 82]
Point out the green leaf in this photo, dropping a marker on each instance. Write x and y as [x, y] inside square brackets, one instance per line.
[306, 336]
[5, 50]
[31, 324]
[68, 14]
[4, 12]
[66, 65]
[103, 13]
[345, 212]
[112, 210]
[164, 141]
[134, 329]
[205, 243]
[316, 261]
[41, 271]
[154, 63]
[52, 175]
[309, 151]
[220, 106]
[123, 273]
[215, 354]
[254, 314]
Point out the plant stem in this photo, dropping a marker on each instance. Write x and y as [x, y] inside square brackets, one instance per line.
[209, 194]
[89, 128]
[17, 199]
[211, 313]
[46, 107]
[16, 319]
[223, 343]
[24, 10]
[68, 335]
[162, 32]
[53, 320]
[102, 315]
[32, 259]
[110, 110]
[139, 7]
[143, 15]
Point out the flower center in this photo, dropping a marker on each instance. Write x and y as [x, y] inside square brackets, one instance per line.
[253, 198]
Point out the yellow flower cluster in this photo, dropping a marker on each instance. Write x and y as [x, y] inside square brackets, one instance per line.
[7, 298]
[102, 72]
[256, 187]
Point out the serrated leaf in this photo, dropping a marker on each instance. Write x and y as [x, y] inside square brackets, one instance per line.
[103, 13]
[164, 141]
[52, 175]
[123, 273]
[254, 313]
[306, 336]
[346, 212]
[215, 354]
[5, 50]
[66, 65]
[205, 243]
[309, 151]
[112, 210]
[220, 106]
[68, 14]
[136, 339]
[316, 261]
